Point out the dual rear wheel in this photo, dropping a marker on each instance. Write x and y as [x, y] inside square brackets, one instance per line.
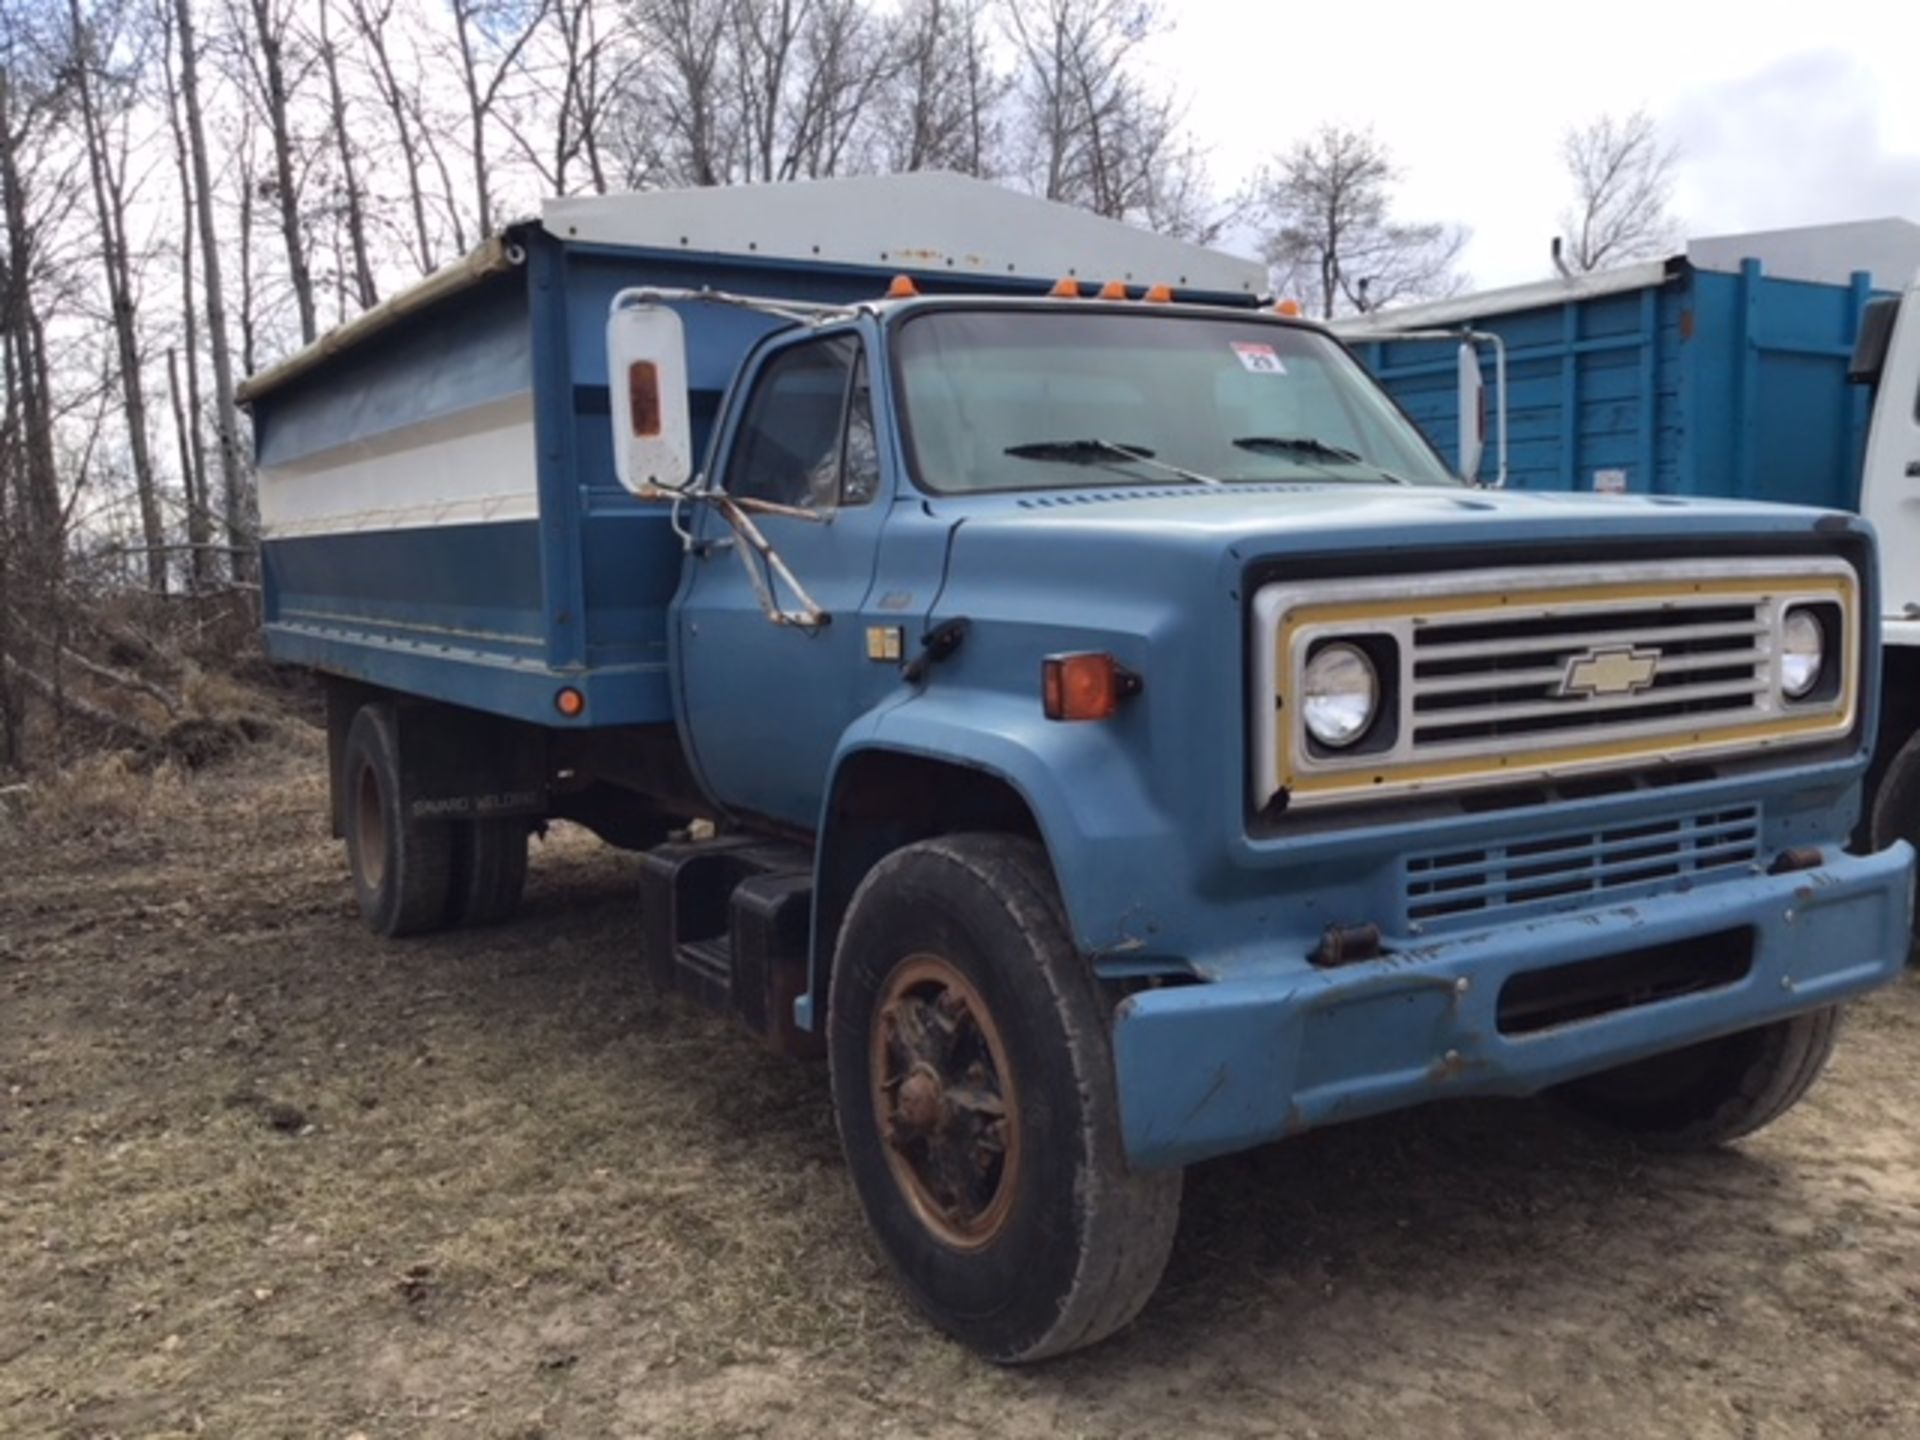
[412, 875]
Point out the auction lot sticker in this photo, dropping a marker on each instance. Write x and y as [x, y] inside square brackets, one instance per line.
[1258, 358]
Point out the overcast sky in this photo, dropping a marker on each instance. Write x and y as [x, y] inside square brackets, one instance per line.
[1785, 114]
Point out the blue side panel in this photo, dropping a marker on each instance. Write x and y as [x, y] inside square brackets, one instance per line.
[452, 613]
[1705, 384]
[480, 680]
[477, 586]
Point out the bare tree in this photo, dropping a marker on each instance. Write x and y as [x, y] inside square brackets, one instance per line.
[243, 243]
[736, 91]
[571, 78]
[1097, 134]
[371, 19]
[31, 96]
[105, 100]
[490, 36]
[234, 492]
[1326, 212]
[339, 127]
[267, 61]
[1623, 175]
[941, 109]
[843, 60]
[675, 126]
[763, 35]
[187, 407]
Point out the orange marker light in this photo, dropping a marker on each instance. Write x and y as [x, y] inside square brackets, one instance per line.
[569, 702]
[902, 288]
[1066, 289]
[1087, 686]
[1113, 290]
[1288, 308]
[1159, 295]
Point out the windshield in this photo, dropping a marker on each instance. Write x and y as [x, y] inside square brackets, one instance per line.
[1006, 399]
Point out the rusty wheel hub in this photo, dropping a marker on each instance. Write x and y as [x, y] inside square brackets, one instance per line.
[370, 817]
[944, 1100]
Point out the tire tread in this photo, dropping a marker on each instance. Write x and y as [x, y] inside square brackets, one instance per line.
[1127, 1219]
[1789, 1057]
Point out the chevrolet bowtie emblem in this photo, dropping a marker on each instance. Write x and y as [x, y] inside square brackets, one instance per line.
[1621, 671]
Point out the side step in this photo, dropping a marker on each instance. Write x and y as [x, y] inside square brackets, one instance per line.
[726, 922]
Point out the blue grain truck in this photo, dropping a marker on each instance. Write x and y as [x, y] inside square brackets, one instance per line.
[1783, 366]
[1073, 697]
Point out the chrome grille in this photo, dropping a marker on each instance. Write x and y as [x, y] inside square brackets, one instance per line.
[1489, 680]
[1463, 883]
[1496, 677]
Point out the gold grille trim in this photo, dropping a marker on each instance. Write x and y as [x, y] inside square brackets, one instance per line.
[1500, 676]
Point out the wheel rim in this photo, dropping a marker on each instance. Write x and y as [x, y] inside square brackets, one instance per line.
[370, 829]
[945, 1102]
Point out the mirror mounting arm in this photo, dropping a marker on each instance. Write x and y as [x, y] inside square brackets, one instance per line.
[809, 616]
[1466, 336]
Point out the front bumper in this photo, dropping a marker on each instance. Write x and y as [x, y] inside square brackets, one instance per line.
[1210, 1068]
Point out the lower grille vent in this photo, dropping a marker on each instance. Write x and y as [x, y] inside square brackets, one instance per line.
[1559, 868]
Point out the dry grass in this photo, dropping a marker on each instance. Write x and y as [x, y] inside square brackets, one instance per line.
[217, 695]
[264, 1176]
[100, 795]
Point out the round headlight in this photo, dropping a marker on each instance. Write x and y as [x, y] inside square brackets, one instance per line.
[1341, 694]
[1802, 652]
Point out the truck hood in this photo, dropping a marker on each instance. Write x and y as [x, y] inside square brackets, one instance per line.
[1296, 518]
[1068, 553]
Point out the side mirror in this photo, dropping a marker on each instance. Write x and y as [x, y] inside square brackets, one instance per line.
[1472, 411]
[647, 378]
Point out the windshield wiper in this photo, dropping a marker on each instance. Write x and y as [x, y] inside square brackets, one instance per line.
[1312, 445]
[1296, 445]
[1095, 451]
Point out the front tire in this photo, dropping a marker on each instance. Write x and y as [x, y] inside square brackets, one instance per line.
[973, 1084]
[1713, 1092]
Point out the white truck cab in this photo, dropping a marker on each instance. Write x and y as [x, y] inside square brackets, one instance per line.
[1889, 358]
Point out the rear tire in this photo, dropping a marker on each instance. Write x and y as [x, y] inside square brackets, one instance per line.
[1714, 1092]
[489, 871]
[402, 867]
[973, 1083]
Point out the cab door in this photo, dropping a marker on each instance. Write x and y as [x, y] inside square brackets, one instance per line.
[763, 705]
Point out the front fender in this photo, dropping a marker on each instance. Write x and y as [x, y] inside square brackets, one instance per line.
[1108, 840]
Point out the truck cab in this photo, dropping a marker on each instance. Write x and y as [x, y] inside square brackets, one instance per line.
[1095, 718]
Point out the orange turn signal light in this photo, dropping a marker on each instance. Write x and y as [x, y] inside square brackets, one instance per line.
[1288, 308]
[569, 702]
[1159, 295]
[902, 288]
[1066, 288]
[1114, 290]
[1087, 686]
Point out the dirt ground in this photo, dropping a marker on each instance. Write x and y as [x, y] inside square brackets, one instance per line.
[261, 1175]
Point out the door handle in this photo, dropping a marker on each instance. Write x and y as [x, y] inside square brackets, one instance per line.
[1913, 469]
